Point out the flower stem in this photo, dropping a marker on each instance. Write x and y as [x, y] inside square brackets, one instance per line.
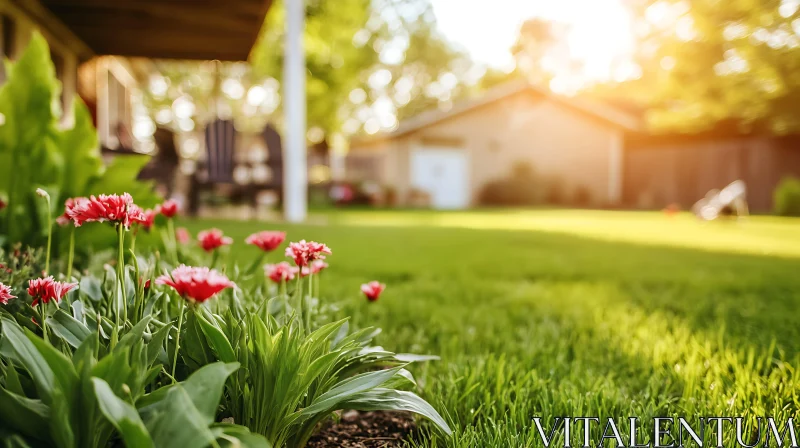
[121, 276]
[300, 307]
[49, 236]
[173, 241]
[177, 340]
[310, 297]
[71, 255]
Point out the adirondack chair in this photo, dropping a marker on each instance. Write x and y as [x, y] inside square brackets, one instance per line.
[220, 163]
[220, 137]
[730, 201]
[163, 166]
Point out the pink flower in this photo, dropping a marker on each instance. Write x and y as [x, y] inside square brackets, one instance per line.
[2, 204]
[145, 218]
[305, 252]
[47, 289]
[5, 294]
[182, 235]
[114, 208]
[317, 266]
[168, 208]
[266, 240]
[373, 290]
[213, 238]
[280, 272]
[195, 284]
[69, 204]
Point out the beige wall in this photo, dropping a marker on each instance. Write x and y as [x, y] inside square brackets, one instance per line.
[555, 139]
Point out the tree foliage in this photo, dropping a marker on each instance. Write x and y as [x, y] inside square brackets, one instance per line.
[713, 62]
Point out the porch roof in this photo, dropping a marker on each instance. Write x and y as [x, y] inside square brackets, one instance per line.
[171, 29]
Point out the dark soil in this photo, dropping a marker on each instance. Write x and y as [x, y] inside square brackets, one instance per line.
[365, 430]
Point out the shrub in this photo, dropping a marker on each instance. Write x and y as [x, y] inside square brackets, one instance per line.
[787, 197]
[36, 152]
[521, 187]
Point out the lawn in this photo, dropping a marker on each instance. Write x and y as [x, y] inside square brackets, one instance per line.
[578, 313]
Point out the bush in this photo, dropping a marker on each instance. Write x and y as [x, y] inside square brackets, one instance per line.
[787, 197]
[520, 188]
[35, 152]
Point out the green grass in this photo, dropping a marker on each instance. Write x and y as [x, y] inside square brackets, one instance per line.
[578, 313]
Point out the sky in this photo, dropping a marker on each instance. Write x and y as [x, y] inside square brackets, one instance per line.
[601, 29]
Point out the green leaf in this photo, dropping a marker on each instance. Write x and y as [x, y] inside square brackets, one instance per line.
[92, 288]
[66, 377]
[79, 146]
[205, 387]
[381, 399]
[26, 354]
[72, 331]
[155, 346]
[122, 415]
[133, 335]
[24, 415]
[243, 437]
[410, 357]
[347, 389]
[175, 421]
[217, 340]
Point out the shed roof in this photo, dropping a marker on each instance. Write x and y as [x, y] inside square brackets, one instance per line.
[174, 29]
[605, 112]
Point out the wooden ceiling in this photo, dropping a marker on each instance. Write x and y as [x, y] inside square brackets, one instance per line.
[170, 29]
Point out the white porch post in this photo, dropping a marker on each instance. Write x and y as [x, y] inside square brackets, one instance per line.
[295, 169]
[615, 162]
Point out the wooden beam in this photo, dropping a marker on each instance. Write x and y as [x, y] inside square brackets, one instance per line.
[200, 29]
[50, 24]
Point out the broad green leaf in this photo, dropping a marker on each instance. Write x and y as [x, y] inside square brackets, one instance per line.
[26, 354]
[61, 428]
[381, 399]
[133, 335]
[347, 389]
[176, 422]
[205, 387]
[122, 415]
[24, 415]
[242, 437]
[217, 340]
[410, 357]
[92, 288]
[72, 331]
[403, 380]
[155, 346]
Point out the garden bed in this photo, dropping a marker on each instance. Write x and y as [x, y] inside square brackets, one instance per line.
[365, 430]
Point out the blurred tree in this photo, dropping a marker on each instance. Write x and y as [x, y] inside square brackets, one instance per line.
[540, 47]
[708, 63]
[370, 63]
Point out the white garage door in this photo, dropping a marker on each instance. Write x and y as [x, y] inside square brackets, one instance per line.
[442, 173]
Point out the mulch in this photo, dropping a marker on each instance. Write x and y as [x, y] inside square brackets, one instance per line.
[355, 429]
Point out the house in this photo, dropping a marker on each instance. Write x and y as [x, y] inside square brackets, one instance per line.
[92, 43]
[451, 155]
[593, 149]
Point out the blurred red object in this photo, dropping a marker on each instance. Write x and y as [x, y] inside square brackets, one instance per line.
[672, 209]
